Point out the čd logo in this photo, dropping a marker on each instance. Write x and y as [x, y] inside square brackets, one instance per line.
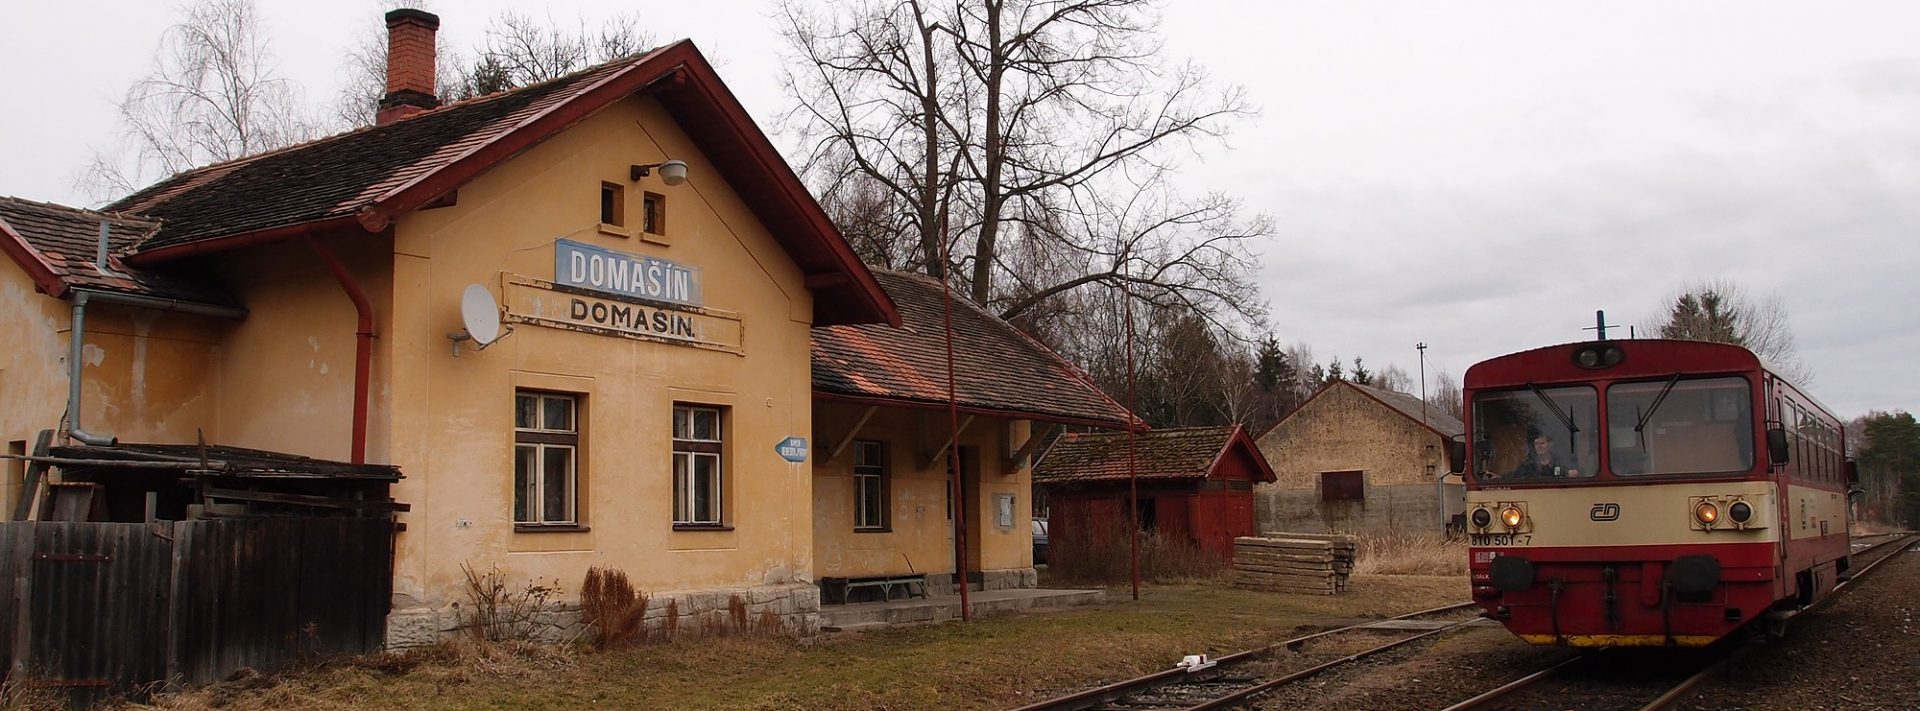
[1605, 512]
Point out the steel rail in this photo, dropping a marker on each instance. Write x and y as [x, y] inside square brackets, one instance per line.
[1094, 697]
[1501, 691]
[1242, 695]
[1688, 685]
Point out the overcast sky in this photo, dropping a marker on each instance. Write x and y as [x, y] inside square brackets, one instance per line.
[1480, 176]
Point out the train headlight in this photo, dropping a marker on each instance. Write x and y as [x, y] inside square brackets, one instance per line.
[1511, 516]
[1741, 512]
[1482, 518]
[1707, 513]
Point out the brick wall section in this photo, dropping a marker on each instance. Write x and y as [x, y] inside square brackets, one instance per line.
[1343, 429]
[410, 40]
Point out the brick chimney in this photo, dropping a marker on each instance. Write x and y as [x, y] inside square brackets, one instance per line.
[409, 65]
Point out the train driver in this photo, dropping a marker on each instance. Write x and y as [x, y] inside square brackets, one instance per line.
[1542, 462]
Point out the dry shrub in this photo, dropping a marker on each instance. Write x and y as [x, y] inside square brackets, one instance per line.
[497, 612]
[1409, 553]
[16, 695]
[1102, 556]
[670, 627]
[737, 612]
[768, 625]
[615, 612]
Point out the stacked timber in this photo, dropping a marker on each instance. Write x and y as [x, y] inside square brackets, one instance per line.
[1293, 563]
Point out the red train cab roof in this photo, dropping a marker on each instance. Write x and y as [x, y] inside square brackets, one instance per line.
[1640, 358]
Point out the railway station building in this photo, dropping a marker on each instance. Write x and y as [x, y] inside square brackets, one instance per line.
[1355, 458]
[695, 381]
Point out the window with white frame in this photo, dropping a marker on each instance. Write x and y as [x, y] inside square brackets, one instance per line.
[869, 486]
[697, 466]
[546, 458]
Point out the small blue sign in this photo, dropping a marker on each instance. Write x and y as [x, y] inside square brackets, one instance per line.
[792, 449]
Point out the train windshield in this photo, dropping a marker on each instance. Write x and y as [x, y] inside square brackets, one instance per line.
[1536, 434]
[1680, 426]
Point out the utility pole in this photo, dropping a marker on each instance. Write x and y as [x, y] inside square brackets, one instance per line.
[1422, 347]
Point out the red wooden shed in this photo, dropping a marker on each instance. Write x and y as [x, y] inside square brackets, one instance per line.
[1194, 483]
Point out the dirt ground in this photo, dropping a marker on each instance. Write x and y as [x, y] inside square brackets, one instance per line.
[994, 663]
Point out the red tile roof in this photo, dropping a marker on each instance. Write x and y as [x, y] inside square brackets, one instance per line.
[56, 245]
[1183, 453]
[361, 181]
[998, 369]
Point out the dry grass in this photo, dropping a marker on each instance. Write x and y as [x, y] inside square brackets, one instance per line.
[1400, 553]
[996, 662]
[17, 696]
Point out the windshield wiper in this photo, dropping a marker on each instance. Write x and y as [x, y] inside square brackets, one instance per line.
[1564, 419]
[1657, 399]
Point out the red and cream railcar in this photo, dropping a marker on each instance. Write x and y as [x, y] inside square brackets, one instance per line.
[1648, 492]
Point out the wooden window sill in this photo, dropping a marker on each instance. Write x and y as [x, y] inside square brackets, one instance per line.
[882, 529]
[550, 528]
[701, 527]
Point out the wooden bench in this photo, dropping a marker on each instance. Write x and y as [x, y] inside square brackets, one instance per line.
[913, 585]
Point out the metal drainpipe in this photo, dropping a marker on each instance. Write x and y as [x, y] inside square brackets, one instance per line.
[77, 340]
[363, 348]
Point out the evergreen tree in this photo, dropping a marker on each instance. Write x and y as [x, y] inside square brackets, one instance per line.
[1890, 464]
[1273, 370]
[1361, 375]
[1335, 371]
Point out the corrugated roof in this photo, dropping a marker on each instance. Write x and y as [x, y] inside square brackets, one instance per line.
[57, 245]
[1180, 453]
[997, 368]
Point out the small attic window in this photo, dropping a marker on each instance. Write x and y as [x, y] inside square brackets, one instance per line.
[653, 217]
[613, 204]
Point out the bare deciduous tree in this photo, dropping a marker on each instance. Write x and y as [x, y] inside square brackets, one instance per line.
[1032, 139]
[1445, 395]
[214, 95]
[1721, 311]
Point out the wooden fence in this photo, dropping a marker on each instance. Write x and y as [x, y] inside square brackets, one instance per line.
[104, 609]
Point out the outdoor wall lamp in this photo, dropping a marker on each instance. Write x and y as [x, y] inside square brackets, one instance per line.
[673, 172]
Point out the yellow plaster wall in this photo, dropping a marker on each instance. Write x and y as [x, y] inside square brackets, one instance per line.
[920, 537]
[149, 376]
[451, 417]
[288, 381]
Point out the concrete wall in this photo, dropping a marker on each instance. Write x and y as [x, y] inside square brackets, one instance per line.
[920, 536]
[1342, 429]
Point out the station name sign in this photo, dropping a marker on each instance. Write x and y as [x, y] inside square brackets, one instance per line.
[632, 276]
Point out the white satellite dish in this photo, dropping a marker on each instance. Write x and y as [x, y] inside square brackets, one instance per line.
[480, 317]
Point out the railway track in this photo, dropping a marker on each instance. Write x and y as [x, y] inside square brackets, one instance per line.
[1607, 679]
[1229, 680]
